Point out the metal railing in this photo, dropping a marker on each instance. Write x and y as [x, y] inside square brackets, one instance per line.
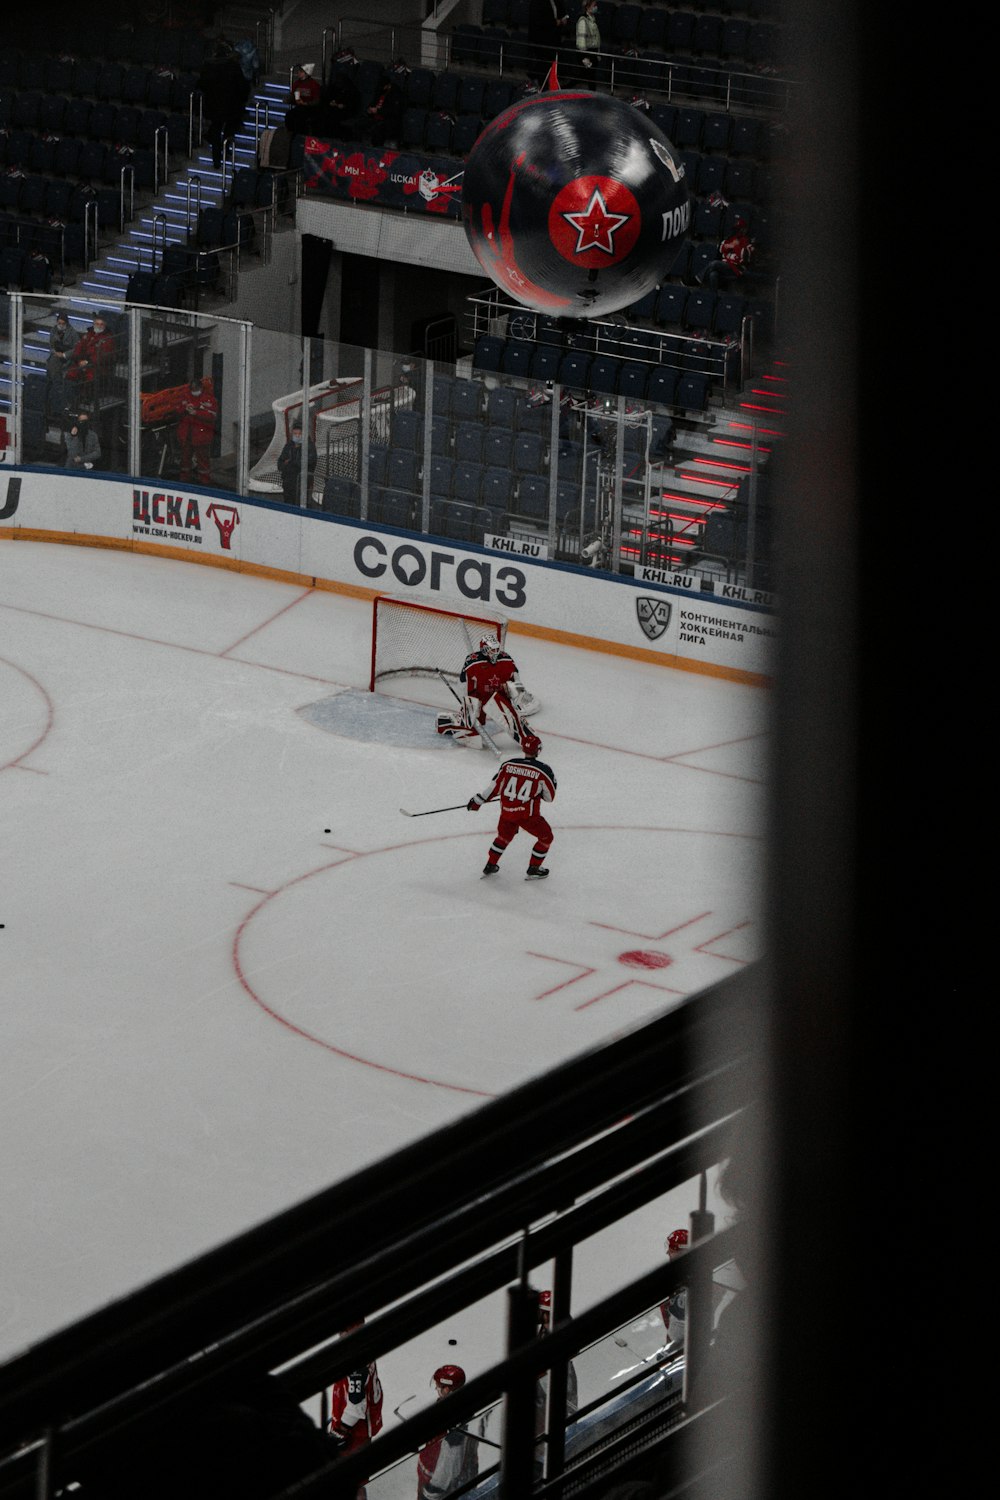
[571, 475]
[470, 1209]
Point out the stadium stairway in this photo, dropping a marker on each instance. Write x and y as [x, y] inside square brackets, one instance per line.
[171, 217]
[709, 466]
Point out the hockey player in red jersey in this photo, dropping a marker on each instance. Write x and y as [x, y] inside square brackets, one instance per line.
[489, 676]
[448, 1463]
[674, 1310]
[521, 785]
[356, 1408]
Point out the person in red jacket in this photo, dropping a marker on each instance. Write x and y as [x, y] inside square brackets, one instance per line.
[305, 88]
[521, 785]
[196, 429]
[93, 354]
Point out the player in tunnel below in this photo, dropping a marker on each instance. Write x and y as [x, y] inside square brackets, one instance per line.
[490, 677]
[521, 785]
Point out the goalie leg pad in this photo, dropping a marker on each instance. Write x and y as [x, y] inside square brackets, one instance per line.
[508, 716]
[452, 726]
[473, 712]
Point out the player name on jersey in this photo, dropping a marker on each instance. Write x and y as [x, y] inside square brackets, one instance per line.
[521, 546]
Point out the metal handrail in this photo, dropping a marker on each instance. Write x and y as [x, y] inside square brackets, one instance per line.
[161, 148]
[192, 190]
[127, 195]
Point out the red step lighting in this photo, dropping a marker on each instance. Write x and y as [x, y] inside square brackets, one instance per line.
[748, 427]
[739, 443]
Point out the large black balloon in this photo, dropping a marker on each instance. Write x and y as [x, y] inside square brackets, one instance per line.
[574, 203]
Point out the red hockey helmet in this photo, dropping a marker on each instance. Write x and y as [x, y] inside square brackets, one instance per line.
[676, 1241]
[490, 647]
[531, 745]
[451, 1377]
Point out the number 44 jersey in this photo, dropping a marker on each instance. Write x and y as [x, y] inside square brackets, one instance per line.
[520, 785]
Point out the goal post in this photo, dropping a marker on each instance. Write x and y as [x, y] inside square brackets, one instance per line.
[417, 638]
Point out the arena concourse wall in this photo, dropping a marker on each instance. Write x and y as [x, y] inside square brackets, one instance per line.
[692, 623]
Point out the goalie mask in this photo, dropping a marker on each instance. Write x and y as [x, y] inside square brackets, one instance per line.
[490, 646]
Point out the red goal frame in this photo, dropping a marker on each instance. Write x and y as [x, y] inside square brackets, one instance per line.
[490, 624]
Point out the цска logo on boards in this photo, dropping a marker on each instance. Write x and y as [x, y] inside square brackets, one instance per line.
[653, 615]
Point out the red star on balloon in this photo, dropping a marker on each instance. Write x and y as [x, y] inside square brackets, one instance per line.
[595, 226]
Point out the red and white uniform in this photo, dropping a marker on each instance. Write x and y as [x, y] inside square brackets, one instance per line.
[195, 430]
[445, 1464]
[356, 1407]
[488, 682]
[737, 251]
[521, 785]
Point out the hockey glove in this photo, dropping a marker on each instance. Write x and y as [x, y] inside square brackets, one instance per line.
[472, 805]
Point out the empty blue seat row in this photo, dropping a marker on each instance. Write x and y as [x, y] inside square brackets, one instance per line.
[32, 64]
[466, 500]
[459, 93]
[438, 132]
[72, 82]
[97, 125]
[639, 380]
[25, 270]
[55, 199]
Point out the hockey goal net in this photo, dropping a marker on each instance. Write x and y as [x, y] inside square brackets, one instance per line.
[414, 639]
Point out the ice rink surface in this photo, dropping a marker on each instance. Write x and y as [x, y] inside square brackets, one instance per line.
[232, 972]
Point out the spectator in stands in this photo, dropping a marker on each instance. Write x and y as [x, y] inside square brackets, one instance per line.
[225, 91]
[385, 113]
[306, 89]
[62, 341]
[93, 355]
[342, 102]
[83, 446]
[196, 430]
[548, 30]
[588, 44]
[290, 464]
[451, 1461]
[734, 261]
[249, 59]
[303, 116]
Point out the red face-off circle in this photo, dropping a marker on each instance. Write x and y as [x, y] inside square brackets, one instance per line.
[594, 221]
[639, 958]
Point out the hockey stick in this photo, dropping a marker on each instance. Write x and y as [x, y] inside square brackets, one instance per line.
[481, 729]
[459, 806]
[396, 1410]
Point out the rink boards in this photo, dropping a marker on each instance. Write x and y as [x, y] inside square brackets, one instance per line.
[692, 623]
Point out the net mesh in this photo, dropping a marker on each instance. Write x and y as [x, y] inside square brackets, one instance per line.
[416, 639]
